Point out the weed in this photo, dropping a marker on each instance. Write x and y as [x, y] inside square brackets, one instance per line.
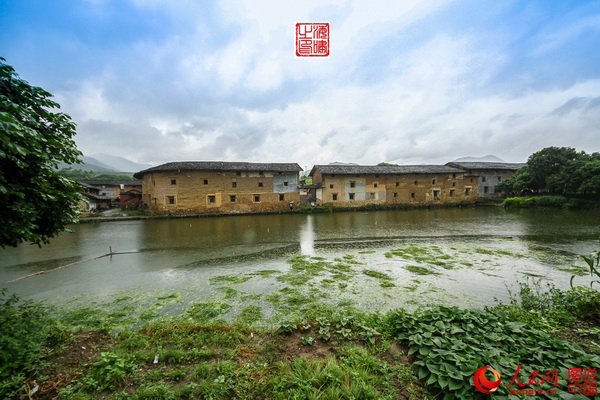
[418, 270]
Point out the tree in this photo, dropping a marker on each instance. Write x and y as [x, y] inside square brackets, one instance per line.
[547, 162]
[36, 203]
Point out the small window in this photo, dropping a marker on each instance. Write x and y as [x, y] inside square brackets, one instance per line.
[331, 186]
[352, 184]
[416, 182]
[412, 195]
[433, 181]
[173, 181]
[471, 180]
[212, 199]
[206, 181]
[281, 197]
[351, 196]
[395, 194]
[232, 198]
[171, 200]
[486, 189]
[467, 191]
[238, 173]
[257, 198]
[436, 194]
[499, 178]
[286, 183]
[397, 183]
[451, 192]
[453, 183]
[483, 179]
[261, 173]
[372, 196]
[334, 196]
[260, 184]
[375, 185]
[454, 176]
[233, 184]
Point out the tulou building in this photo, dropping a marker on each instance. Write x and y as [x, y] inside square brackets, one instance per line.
[219, 187]
[200, 187]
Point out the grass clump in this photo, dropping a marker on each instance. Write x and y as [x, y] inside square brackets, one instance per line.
[418, 270]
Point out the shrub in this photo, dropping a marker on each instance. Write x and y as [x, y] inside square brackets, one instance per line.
[551, 201]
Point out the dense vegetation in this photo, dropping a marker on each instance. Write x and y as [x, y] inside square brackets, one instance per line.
[77, 174]
[557, 171]
[36, 202]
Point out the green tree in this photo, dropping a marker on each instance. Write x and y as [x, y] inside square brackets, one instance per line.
[36, 203]
[547, 162]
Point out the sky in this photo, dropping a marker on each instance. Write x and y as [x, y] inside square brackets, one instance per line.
[406, 82]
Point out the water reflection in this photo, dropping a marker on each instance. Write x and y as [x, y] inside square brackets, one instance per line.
[307, 237]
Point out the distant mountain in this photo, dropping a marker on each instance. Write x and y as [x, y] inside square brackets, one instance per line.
[119, 163]
[488, 158]
[89, 164]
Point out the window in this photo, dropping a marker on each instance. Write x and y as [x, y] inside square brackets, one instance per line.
[286, 183]
[212, 199]
[334, 196]
[453, 183]
[451, 192]
[454, 176]
[331, 186]
[397, 183]
[281, 197]
[499, 178]
[173, 181]
[351, 196]
[375, 185]
[395, 194]
[171, 200]
[238, 173]
[436, 194]
[232, 198]
[433, 181]
[206, 181]
[257, 198]
[234, 184]
[153, 183]
[471, 180]
[261, 173]
[352, 184]
[486, 189]
[260, 184]
[483, 179]
[412, 195]
[372, 196]
[416, 182]
[467, 191]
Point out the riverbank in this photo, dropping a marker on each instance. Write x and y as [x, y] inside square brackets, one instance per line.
[318, 351]
[556, 202]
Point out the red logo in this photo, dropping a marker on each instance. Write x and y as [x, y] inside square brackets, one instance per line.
[312, 39]
[483, 384]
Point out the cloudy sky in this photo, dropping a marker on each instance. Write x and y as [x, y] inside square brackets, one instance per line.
[409, 82]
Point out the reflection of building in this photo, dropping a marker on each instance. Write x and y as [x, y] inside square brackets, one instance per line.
[355, 185]
[489, 174]
[213, 187]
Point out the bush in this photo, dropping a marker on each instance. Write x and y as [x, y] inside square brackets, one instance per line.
[551, 201]
[518, 202]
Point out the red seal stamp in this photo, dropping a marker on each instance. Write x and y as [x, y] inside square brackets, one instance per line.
[312, 39]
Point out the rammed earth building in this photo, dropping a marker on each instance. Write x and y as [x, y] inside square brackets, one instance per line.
[198, 187]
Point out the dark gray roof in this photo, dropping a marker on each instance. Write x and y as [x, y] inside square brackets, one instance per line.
[221, 166]
[487, 165]
[111, 182]
[350, 169]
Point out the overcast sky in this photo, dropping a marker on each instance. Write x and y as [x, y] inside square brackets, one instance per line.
[408, 82]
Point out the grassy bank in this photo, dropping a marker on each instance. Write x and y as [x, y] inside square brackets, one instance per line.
[559, 202]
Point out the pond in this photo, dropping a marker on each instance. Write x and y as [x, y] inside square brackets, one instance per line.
[277, 263]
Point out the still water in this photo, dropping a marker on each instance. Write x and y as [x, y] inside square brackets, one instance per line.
[484, 252]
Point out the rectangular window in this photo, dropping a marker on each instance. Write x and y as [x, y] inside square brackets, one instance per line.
[212, 199]
[467, 191]
[436, 194]
[375, 185]
[412, 195]
[256, 198]
[451, 192]
[171, 200]
[285, 183]
[281, 197]
[397, 183]
[416, 182]
[486, 189]
[395, 194]
[334, 196]
[454, 176]
[351, 196]
[261, 173]
[433, 181]
[483, 179]
[499, 178]
[453, 183]
[471, 180]
[153, 183]
[260, 184]
[173, 181]
[372, 196]
[352, 184]
[234, 184]
[206, 181]
[331, 186]
[232, 198]
[239, 173]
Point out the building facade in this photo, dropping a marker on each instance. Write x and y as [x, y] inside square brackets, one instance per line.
[489, 174]
[220, 187]
[349, 185]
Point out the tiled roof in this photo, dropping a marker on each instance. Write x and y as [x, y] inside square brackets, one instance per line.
[487, 165]
[350, 169]
[221, 166]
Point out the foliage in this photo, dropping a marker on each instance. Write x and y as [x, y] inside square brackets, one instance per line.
[109, 371]
[538, 201]
[35, 201]
[593, 262]
[78, 175]
[323, 209]
[24, 331]
[450, 344]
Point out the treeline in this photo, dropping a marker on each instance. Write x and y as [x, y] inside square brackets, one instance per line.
[79, 175]
[559, 171]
